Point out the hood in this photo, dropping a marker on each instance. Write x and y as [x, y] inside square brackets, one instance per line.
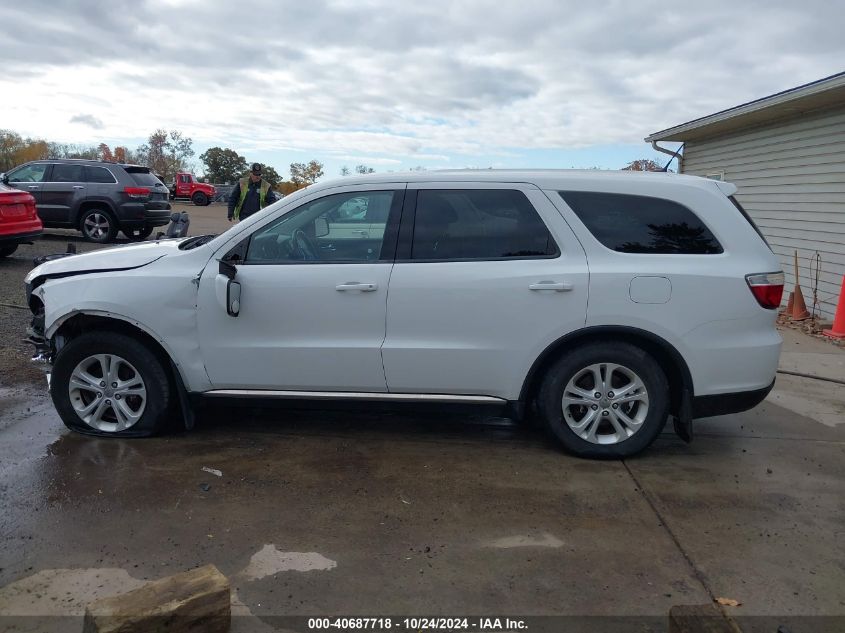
[107, 259]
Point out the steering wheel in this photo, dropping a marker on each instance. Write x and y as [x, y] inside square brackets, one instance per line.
[304, 246]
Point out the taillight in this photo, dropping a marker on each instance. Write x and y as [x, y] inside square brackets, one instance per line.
[137, 192]
[767, 288]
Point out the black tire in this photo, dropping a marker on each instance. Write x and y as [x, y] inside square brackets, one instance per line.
[156, 381]
[98, 225]
[574, 363]
[200, 199]
[138, 235]
[5, 251]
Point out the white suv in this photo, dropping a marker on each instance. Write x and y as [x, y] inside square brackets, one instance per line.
[602, 302]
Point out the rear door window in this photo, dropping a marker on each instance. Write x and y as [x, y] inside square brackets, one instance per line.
[98, 174]
[67, 173]
[472, 224]
[642, 224]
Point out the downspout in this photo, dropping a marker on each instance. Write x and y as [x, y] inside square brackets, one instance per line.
[677, 152]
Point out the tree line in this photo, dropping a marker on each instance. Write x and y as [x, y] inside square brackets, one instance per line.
[166, 153]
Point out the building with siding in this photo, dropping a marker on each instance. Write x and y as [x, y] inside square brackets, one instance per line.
[786, 154]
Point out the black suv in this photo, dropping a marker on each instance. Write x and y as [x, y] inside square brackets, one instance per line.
[96, 197]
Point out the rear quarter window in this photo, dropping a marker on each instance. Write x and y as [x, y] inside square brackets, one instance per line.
[98, 174]
[642, 224]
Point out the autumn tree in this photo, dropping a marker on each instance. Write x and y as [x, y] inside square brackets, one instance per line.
[10, 144]
[120, 154]
[271, 175]
[223, 164]
[303, 175]
[166, 153]
[642, 164]
[105, 152]
[15, 150]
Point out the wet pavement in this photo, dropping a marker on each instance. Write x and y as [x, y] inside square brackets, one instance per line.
[333, 512]
[406, 511]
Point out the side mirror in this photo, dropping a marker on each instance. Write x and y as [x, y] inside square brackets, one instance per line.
[4, 179]
[233, 298]
[233, 289]
[321, 227]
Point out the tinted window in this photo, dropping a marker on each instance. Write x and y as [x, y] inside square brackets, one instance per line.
[641, 224]
[98, 174]
[478, 224]
[28, 173]
[321, 231]
[66, 173]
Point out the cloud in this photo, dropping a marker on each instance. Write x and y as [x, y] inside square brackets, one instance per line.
[87, 119]
[457, 81]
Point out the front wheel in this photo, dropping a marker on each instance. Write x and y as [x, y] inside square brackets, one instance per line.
[200, 199]
[110, 384]
[605, 400]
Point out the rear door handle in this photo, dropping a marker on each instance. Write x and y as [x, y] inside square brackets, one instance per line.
[354, 285]
[78, 187]
[557, 286]
[33, 187]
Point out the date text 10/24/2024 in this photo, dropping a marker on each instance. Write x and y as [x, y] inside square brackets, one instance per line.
[500, 625]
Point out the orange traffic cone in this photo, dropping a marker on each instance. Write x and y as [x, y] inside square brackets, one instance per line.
[838, 329]
[799, 308]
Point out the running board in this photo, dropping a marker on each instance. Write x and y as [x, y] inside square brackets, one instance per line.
[352, 395]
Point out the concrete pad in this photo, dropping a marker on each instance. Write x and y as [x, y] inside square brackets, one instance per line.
[760, 515]
[406, 507]
[809, 355]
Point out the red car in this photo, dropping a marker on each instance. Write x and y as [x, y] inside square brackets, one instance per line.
[18, 220]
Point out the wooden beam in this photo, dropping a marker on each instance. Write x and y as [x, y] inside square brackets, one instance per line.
[196, 600]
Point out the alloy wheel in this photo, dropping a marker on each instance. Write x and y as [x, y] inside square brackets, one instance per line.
[107, 393]
[96, 226]
[605, 403]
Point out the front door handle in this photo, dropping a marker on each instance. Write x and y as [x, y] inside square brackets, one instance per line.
[354, 285]
[33, 187]
[78, 187]
[557, 286]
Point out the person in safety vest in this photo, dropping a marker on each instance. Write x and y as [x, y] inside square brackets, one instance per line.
[251, 194]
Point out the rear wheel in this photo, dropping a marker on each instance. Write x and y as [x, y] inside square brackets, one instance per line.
[98, 225]
[110, 384]
[5, 251]
[200, 199]
[605, 400]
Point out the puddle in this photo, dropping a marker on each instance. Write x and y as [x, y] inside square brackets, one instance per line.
[508, 542]
[269, 560]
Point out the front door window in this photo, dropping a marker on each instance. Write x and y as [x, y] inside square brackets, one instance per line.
[347, 227]
[29, 173]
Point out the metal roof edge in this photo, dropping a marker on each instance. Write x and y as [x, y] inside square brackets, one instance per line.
[798, 92]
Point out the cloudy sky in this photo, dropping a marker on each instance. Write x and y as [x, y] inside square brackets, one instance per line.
[394, 84]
